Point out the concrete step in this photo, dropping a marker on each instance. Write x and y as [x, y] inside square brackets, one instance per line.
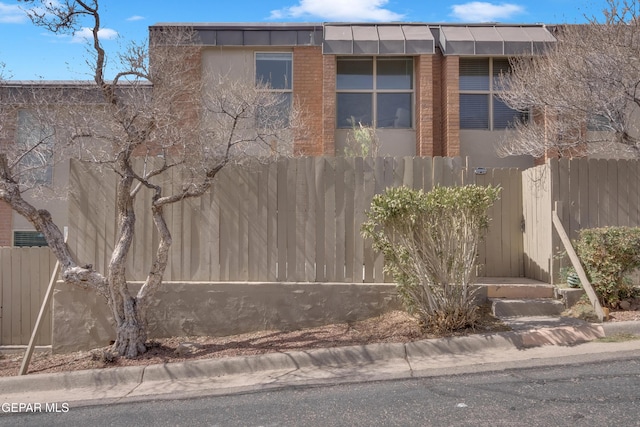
[526, 307]
[515, 288]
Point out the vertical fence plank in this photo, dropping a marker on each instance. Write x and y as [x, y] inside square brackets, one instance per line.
[330, 219]
[622, 193]
[369, 184]
[349, 219]
[340, 215]
[359, 218]
[634, 179]
[310, 220]
[283, 204]
[320, 230]
[6, 279]
[593, 199]
[272, 222]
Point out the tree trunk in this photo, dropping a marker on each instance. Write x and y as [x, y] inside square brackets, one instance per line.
[131, 330]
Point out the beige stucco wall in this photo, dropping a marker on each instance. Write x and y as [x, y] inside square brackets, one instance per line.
[55, 200]
[393, 142]
[81, 319]
[480, 147]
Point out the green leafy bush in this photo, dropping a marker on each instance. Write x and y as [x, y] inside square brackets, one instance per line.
[429, 241]
[608, 255]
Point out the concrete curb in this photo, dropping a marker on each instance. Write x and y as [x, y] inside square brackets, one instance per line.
[327, 358]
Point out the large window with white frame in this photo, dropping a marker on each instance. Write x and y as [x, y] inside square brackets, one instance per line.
[274, 73]
[374, 91]
[480, 108]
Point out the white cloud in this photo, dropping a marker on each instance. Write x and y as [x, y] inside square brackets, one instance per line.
[339, 10]
[12, 14]
[86, 33]
[478, 11]
[135, 18]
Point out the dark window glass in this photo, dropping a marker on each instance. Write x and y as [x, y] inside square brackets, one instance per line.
[474, 73]
[394, 74]
[355, 74]
[505, 117]
[394, 110]
[474, 111]
[354, 108]
[274, 70]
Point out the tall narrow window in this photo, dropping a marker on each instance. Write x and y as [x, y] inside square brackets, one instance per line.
[374, 92]
[35, 139]
[480, 108]
[274, 73]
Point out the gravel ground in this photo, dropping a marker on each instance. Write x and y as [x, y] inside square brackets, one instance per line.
[396, 326]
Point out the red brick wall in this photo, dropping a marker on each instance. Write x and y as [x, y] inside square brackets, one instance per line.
[307, 93]
[6, 215]
[450, 106]
[7, 136]
[428, 106]
[329, 105]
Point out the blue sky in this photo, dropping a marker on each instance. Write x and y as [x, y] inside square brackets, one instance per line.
[30, 53]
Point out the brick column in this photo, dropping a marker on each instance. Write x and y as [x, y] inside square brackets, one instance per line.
[329, 68]
[307, 93]
[6, 218]
[451, 106]
[428, 111]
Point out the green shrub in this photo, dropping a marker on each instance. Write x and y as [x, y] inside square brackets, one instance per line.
[608, 255]
[362, 141]
[429, 241]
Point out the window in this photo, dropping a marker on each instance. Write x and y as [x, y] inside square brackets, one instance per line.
[274, 73]
[479, 83]
[375, 92]
[36, 140]
[28, 238]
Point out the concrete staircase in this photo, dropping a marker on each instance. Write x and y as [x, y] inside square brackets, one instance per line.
[522, 297]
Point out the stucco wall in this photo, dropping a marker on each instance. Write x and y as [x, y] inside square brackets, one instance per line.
[480, 147]
[81, 319]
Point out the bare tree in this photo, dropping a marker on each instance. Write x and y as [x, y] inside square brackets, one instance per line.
[583, 92]
[153, 117]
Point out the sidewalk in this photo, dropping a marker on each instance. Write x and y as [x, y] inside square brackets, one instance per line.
[544, 339]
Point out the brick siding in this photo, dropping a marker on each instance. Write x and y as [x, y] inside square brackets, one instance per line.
[307, 95]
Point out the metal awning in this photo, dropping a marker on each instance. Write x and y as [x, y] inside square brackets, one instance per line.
[388, 39]
[494, 40]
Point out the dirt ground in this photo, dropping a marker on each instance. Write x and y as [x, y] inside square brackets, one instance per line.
[396, 326]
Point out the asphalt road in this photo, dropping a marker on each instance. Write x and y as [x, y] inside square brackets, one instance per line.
[577, 394]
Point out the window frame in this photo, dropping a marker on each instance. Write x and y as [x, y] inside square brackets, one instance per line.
[374, 91]
[491, 94]
[266, 86]
[44, 175]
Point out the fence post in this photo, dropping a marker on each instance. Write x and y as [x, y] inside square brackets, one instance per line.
[575, 261]
[43, 308]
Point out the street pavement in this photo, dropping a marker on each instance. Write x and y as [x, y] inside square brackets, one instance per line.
[542, 339]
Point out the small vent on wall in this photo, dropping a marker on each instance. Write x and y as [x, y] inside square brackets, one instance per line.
[28, 238]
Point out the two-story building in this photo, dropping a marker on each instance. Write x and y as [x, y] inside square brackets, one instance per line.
[427, 89]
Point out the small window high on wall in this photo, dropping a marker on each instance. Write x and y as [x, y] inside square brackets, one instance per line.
[375, 91]
[480, 108]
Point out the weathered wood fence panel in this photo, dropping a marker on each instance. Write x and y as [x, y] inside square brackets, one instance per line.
[24, 277]
[295, 220]
[588, 193]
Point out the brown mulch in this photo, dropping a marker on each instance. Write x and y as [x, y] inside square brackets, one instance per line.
[396, 326]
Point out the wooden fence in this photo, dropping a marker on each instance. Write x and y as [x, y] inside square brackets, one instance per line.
[587, 192]
[295, 220]
[24, 277]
